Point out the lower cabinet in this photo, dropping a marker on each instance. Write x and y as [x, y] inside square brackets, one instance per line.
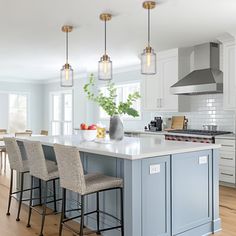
[156, 196]
[227, 160]
[191, 190]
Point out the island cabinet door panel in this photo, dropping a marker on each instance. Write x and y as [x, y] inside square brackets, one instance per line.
[156, 196]
[191, 190]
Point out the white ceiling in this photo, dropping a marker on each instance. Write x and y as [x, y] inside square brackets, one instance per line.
[32, 44]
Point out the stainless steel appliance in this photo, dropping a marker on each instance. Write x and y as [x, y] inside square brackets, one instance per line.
[206, 77]
[155, 125]
[194, 135]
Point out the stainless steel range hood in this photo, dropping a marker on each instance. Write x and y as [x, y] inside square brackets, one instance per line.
[206, 77]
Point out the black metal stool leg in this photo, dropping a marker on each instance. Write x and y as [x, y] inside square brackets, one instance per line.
[30, 202]
[122, 211]
[10, 193]
[5, 162]
[40, 192]
[98, 214]
[62, 210]
[21, 195]
[54, 195]
[44, 208]
[82, 216]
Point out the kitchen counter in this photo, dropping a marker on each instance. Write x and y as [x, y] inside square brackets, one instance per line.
[226, 136]
[170, 188]
[131, 148]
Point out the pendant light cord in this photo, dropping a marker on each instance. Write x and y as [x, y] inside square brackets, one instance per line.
[67, 47]
[148, 27]
[105, 37]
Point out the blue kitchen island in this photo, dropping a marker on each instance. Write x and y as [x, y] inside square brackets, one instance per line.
[170, 188]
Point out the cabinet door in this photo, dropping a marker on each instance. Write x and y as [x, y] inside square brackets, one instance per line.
[156, 92]
[152, 91]
[169, 77]
[229, 76]
[156, 196]
[192, 191]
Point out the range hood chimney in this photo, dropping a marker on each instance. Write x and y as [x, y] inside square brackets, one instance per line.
[206, 77]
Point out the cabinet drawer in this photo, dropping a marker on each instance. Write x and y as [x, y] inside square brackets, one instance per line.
[227, 158]
[227, 174]
[226, 143]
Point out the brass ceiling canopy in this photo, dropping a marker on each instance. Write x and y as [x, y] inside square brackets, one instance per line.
[149, 5]
[67, 28]
[105, 16]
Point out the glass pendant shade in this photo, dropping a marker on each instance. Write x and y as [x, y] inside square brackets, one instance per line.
[148, 61]
[67, 76]
[105, 68]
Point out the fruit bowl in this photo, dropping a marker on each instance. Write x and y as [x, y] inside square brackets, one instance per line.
[88, 135]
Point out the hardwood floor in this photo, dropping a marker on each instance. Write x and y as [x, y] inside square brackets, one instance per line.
[9, 227]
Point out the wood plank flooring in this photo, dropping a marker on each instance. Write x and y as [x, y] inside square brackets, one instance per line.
[9, 227]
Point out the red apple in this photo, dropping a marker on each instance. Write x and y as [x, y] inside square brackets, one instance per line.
[92, 127]
[83, 126]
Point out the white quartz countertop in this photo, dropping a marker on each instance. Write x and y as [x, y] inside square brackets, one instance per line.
[129, 148]
[226, 136]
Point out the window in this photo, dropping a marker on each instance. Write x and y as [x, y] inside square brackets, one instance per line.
[62, 110]
[123, 90]
[18, 112]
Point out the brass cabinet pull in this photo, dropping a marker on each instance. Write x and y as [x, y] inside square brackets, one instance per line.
[226, 158]
[227, 174]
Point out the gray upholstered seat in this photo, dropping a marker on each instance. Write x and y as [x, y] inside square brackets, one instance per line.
[97, 182]
[15, 159]
[72, 174]
[39, 166]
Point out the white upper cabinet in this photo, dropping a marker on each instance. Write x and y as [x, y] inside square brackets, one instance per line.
[156, 88]
[229, 70]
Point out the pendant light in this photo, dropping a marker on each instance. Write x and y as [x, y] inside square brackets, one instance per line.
[148, 57]
[67, 71]
[105, 64]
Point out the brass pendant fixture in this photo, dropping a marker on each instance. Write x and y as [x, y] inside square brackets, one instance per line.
[105, 64]
[67, 74]
[148, 57]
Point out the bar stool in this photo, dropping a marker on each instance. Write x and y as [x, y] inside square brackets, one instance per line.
[19, 165]
[3, 152]
[45, 171]
[72, 178]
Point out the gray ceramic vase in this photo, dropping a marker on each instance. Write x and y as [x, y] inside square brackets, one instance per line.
[116, 130]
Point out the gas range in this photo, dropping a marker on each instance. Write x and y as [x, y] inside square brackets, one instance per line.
[193, 135]
[200, 132]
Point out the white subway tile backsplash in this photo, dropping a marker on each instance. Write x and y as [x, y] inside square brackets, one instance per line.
[206, 109]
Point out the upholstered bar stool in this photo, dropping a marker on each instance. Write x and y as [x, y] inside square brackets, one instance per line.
[3, 152]
[21, 166]
[46, 171]
[72, 178]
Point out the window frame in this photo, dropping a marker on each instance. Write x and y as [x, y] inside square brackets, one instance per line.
[51, 107]
[28, 108]
[123, 84]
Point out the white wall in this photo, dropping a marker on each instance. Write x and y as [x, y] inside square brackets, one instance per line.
[36, 98]
[204, 109]
[80, 103]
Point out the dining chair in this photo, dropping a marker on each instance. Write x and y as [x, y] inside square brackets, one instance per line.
[22, 134]
[44, 132]
[3, 152]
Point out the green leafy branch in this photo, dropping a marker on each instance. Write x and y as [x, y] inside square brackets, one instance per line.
[108, 103]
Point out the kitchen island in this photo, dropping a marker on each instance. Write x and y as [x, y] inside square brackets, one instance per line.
[170, 188]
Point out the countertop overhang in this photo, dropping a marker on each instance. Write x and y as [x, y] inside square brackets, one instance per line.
[131, 148]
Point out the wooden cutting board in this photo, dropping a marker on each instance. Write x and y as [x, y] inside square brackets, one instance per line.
[177, 122]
